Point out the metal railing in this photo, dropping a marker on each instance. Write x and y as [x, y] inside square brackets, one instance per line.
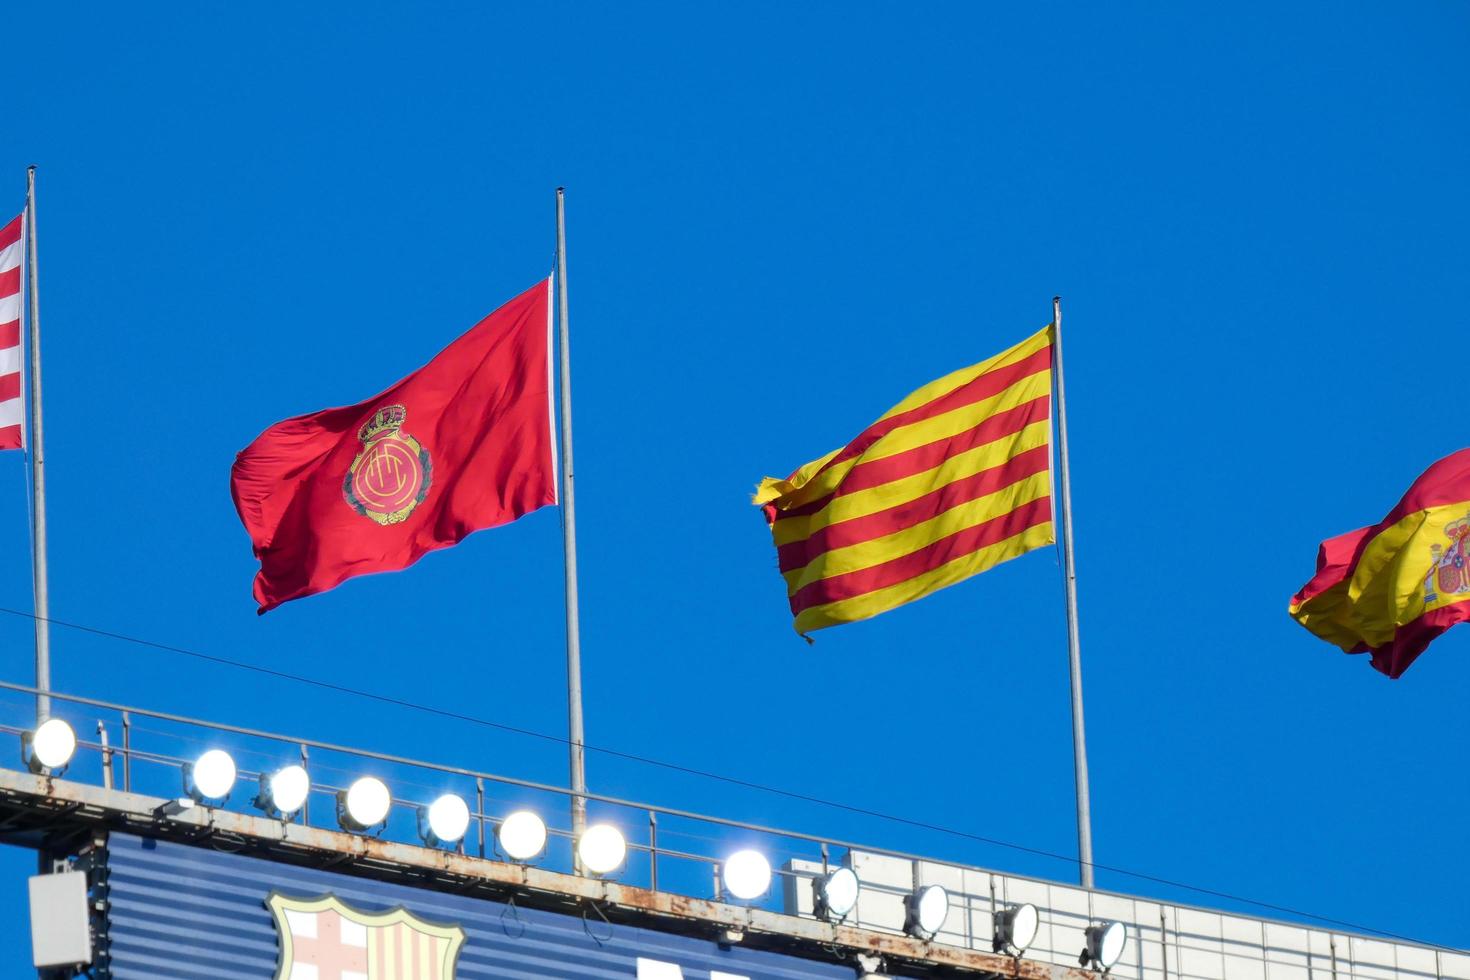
[681, 851]
[669, 848]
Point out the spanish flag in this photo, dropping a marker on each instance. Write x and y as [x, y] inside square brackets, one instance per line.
[955, 479]
[1390, 589]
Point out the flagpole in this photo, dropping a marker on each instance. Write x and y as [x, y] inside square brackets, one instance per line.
[1074, 652]
[569, 543]
[38, 462]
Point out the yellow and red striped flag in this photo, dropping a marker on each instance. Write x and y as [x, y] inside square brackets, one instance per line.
[953, 480]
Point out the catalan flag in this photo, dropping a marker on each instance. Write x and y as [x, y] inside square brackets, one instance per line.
[1390, 589]
[954, 479]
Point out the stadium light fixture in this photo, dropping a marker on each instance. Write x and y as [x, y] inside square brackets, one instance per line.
[602, 849]
[210, 777]
[448, 818]
[928, 907]
[837, 894]
[363, 805]
[1015, 928]
[48, 749]
[522, 836]
[1105, 943]
[283, 792]
[746, 874]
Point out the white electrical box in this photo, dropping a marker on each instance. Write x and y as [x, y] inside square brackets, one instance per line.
[61, 930]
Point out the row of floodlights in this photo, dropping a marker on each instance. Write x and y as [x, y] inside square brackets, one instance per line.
[928, 906]
[601, 848]
[364, 806]
[361, 807]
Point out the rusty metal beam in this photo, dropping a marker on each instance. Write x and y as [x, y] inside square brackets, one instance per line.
[62, 802]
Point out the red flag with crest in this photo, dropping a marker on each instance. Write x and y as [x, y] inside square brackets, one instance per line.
[463, 443]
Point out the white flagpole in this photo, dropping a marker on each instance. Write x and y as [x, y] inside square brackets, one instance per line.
[38, 461]
[569, 542]
[1074, 652]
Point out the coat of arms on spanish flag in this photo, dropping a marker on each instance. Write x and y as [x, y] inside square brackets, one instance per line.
[1390, 589]
[953, 480]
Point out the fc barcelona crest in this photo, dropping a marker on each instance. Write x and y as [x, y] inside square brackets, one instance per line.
[327, 939]
[391, 475]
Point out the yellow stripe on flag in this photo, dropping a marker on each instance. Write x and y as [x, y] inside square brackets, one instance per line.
[872, 501]
[938, 389]
[907, 540]
[1387, 589]
[921, 433]
[873, 603]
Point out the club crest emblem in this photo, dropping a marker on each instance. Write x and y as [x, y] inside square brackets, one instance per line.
[327, 939]
[1449, 570]
[391, 475]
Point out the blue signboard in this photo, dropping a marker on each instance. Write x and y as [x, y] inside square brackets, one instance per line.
[191, 911]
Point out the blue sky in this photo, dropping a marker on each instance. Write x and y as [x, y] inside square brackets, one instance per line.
[780, 223]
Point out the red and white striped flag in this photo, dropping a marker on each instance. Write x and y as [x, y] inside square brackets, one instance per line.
[12, 414]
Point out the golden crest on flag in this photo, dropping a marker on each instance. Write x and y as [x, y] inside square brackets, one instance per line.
[324, 937]
[1449, 570]
[391, 475]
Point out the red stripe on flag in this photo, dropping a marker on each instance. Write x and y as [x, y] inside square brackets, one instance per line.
[865, 476]
[10, 437]
[1447, 481]
[905, 515]
[990, 383]
[1412, 638]
[926, 559]
[9, 386]
[10, 234]
[10, 282]
[10, 334]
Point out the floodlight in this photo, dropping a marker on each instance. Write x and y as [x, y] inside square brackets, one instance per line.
[602, 849]
[48, 748]
[363, 805]
[448, 818]
[1015, 928]
[522, 835]
[210, 777]
[747, 874]
[837, 894]
[1105, 942]
[284, 791]
[928, 907]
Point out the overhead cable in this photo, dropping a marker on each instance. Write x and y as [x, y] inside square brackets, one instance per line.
[705, 774]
